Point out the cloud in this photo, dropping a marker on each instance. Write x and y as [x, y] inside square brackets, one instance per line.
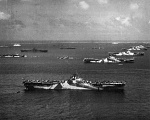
[102, 1]
[84, 5]
[134, 6]
[26, 0]
[4, 16]
[124, 21]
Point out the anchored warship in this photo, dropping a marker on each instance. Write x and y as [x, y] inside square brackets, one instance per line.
[75, 83]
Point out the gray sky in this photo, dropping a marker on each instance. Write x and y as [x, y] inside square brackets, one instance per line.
[75, 20]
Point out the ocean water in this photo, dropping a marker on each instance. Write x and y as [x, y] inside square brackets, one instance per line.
[16, 104]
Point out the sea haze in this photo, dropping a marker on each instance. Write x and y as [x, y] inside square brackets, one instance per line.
[132, 103]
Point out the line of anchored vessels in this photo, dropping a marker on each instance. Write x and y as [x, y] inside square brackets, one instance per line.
[77, 83]
[34, 50]
[112, 58]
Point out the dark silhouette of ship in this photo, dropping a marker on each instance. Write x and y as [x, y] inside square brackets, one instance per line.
[33, 50]
[67, 48]
[73, 83]
[12, 56]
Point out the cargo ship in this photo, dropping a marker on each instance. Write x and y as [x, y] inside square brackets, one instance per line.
[33, 50]
[73, 83]
[12, 56]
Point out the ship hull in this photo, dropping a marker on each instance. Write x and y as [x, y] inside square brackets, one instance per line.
[67, 86]
[12, 56]
[117, 60]
[34, 50]
[113, 87]
[63, 86]
[126, 54]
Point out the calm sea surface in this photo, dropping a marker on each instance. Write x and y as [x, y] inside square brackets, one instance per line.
[16, 104]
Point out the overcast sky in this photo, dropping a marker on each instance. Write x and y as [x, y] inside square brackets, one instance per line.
[103, 20]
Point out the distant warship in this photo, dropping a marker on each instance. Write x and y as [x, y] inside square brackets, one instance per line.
[33, 50]
[110, 59]
[127, 53]
[12, 56]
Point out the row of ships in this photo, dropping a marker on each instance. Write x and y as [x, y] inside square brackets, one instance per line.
[77, 83]
[116, 57]
[34, 50]
[112, 58]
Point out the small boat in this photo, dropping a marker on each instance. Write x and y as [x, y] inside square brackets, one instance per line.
[65, 57]
[12, 56]
[33, 50]
[16, 45]
[115, 43]
[73, 83]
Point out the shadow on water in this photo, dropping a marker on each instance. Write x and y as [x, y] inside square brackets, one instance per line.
[78, 95]
[73, 103]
